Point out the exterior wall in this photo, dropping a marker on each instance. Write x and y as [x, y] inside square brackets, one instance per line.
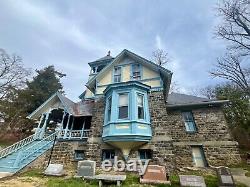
[88, 94]
[170, 144]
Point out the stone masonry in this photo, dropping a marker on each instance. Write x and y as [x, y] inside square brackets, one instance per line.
[170, 144]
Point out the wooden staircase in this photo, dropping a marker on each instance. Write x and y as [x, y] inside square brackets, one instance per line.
[20, 154]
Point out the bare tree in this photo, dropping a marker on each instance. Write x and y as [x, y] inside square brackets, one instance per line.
[12, 73]
[235, 26]
[229, 67]
[161, 57]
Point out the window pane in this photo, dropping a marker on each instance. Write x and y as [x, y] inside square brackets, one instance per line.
[140, 112]
[109, 108]
[123, 100]
[123, 112]
[140, 100]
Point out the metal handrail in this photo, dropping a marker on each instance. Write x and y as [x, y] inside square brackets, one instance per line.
[22, 155]
[16, 146]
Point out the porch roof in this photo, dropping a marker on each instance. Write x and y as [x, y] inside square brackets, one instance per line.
[57, 100]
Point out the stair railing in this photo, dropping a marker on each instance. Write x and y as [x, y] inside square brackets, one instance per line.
[16, 146]
[23, 154]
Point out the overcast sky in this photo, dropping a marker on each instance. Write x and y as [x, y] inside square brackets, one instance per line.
[69, 34]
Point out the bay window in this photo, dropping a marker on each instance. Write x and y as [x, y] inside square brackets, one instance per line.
[123, 106]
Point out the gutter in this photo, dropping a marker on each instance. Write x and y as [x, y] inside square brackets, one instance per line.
[209, 103]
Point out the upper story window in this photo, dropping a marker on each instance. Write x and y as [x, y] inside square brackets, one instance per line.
[109, 108]
[117, 74]
[140, 106]
[189, 121]
[123, 106]
[136, 72]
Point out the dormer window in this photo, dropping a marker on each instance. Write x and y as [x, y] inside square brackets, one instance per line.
[117, 74]
[136, 72]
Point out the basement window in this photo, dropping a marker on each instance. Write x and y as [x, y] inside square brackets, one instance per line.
[198, 156]
[145, 154]
[108, 154]
[79, 154]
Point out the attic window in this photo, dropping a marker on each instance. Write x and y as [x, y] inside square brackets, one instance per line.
[117, 74]
[136, 72]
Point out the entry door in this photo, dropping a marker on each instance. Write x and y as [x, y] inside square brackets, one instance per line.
[198, 156]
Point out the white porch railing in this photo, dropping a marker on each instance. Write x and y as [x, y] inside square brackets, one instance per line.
[73, 134]
[16, 146]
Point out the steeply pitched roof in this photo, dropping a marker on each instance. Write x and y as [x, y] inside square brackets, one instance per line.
[91, 83]
[76, 109]
[106, 58]
[180, 100]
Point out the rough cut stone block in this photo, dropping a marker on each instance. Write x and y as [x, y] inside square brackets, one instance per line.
[54, 170]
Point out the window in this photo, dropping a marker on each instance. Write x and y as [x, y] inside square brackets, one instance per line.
[117, 74]
[79, 155]
[109, 107]
[140, 107]
[123, 106]
[136, 73]
[198, 156]
[108, 154]
[189, 122]
[145, 154]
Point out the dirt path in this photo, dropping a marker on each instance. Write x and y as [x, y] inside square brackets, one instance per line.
[23, 182]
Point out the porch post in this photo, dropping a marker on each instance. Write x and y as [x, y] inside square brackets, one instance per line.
[61, 126]
[44, 125]
[66, 129]
[83, 125]
[38, 127]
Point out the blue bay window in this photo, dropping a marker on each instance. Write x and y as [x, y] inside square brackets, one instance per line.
[127, 112]
[189, 121]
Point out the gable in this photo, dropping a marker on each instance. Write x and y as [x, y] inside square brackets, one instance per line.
[149, 76]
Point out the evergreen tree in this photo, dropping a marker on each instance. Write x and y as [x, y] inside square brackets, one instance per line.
[43, 85]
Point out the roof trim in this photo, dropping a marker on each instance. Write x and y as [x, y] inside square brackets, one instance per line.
[212, 103]
[59, 95]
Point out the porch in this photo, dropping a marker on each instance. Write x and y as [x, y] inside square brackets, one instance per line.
[67, 126]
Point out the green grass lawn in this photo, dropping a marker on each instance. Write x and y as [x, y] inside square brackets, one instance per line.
[132, 180]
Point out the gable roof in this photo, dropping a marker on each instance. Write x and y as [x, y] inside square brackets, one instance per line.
[164, 72]
[176, 100]
[76, 109]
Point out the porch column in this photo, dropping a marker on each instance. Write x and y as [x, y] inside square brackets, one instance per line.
[67, 127]
[61, 126]
[83, 125]
[38, 129]
[44, 125]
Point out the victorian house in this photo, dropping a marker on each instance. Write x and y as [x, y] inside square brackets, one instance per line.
[127, 111]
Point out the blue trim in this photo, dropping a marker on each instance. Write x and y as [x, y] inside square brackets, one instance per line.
[142, 80]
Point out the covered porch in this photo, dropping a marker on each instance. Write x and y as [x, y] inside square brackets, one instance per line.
[71, 121]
